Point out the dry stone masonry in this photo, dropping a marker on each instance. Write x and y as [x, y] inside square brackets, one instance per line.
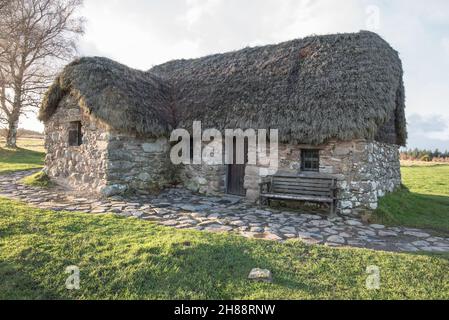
[365, 171]
[106, 162]
[81, 167]
[112, 163]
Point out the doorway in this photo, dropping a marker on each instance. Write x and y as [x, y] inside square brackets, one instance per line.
[236, 172]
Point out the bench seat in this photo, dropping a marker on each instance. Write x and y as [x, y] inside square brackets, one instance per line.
[310, 188]
[296, 197]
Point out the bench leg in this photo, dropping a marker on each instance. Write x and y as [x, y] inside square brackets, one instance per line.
[333, 208]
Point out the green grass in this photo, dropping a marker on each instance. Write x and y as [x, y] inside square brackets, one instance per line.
[125, 258]
[133, 259]
[38, 179]
[422, 203]
[29, 155]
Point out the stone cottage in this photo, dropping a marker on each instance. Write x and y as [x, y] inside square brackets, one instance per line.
[337, 101]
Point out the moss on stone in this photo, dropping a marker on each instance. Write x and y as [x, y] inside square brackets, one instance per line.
[39, 179]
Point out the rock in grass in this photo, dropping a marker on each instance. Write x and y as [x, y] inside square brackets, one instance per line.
[260, 275]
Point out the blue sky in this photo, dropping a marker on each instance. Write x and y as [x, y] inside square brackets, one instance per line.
[142, 33]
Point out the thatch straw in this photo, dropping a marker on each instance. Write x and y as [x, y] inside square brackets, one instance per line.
[341, 86]
[129, 100]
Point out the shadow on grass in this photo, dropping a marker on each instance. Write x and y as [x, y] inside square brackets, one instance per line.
[200, 271]
[18, 284]
[416, 210]
[20, 155]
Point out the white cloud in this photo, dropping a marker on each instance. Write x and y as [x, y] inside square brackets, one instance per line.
[445, 44]
[143, 33]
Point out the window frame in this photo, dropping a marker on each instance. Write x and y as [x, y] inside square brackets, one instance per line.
[311, 156]
[75, 128]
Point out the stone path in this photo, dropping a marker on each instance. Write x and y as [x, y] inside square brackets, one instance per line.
[181, 209]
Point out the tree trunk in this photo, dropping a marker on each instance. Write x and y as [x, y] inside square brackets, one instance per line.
[13, 119]
[11, 136]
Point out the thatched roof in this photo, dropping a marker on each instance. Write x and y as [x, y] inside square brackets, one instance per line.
[341, 86]
[125, 98]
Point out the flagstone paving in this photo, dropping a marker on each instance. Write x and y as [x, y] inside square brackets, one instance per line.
[179, 208]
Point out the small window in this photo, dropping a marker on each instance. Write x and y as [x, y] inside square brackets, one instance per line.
[310, 160]
[75, 135]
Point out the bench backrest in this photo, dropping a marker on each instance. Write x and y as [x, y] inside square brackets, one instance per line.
[306, 186]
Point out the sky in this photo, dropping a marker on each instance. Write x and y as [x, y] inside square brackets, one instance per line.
[144, 33]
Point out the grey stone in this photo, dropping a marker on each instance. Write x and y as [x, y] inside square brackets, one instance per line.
[170, 223]
[354, 223]
[311, 216]
[288, 230]
[331, 231]
[387, 233]
[344, 235]
[407, 247]
[218, 228]
[137, 214]
[320, 223]
[152, 147]
[367, 233]
[377, 226]
[190, 207]
[417, 234]
[260, 275]
[304, 235]
[263, 212]
[144, 176]
[113, 190]
[336, 239]
[238, 223]
[420, 243]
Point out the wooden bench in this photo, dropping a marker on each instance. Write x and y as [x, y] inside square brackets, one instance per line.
[302, 187]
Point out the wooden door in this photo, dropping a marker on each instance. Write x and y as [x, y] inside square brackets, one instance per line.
[236, 174]
[236, 178]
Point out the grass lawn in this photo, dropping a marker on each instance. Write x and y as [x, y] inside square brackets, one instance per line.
[29, 155]
[423, 203]
[124, 258]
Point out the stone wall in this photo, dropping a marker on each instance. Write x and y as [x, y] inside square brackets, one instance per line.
[206, 179]
[365, 171]
[106, 162]
[138, 163]
[79, 167]
[375, 171]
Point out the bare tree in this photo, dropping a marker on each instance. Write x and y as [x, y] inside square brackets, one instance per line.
[36, 36]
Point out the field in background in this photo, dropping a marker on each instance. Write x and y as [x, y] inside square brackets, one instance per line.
[415, 163]
[423, 202]
[29, 155]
